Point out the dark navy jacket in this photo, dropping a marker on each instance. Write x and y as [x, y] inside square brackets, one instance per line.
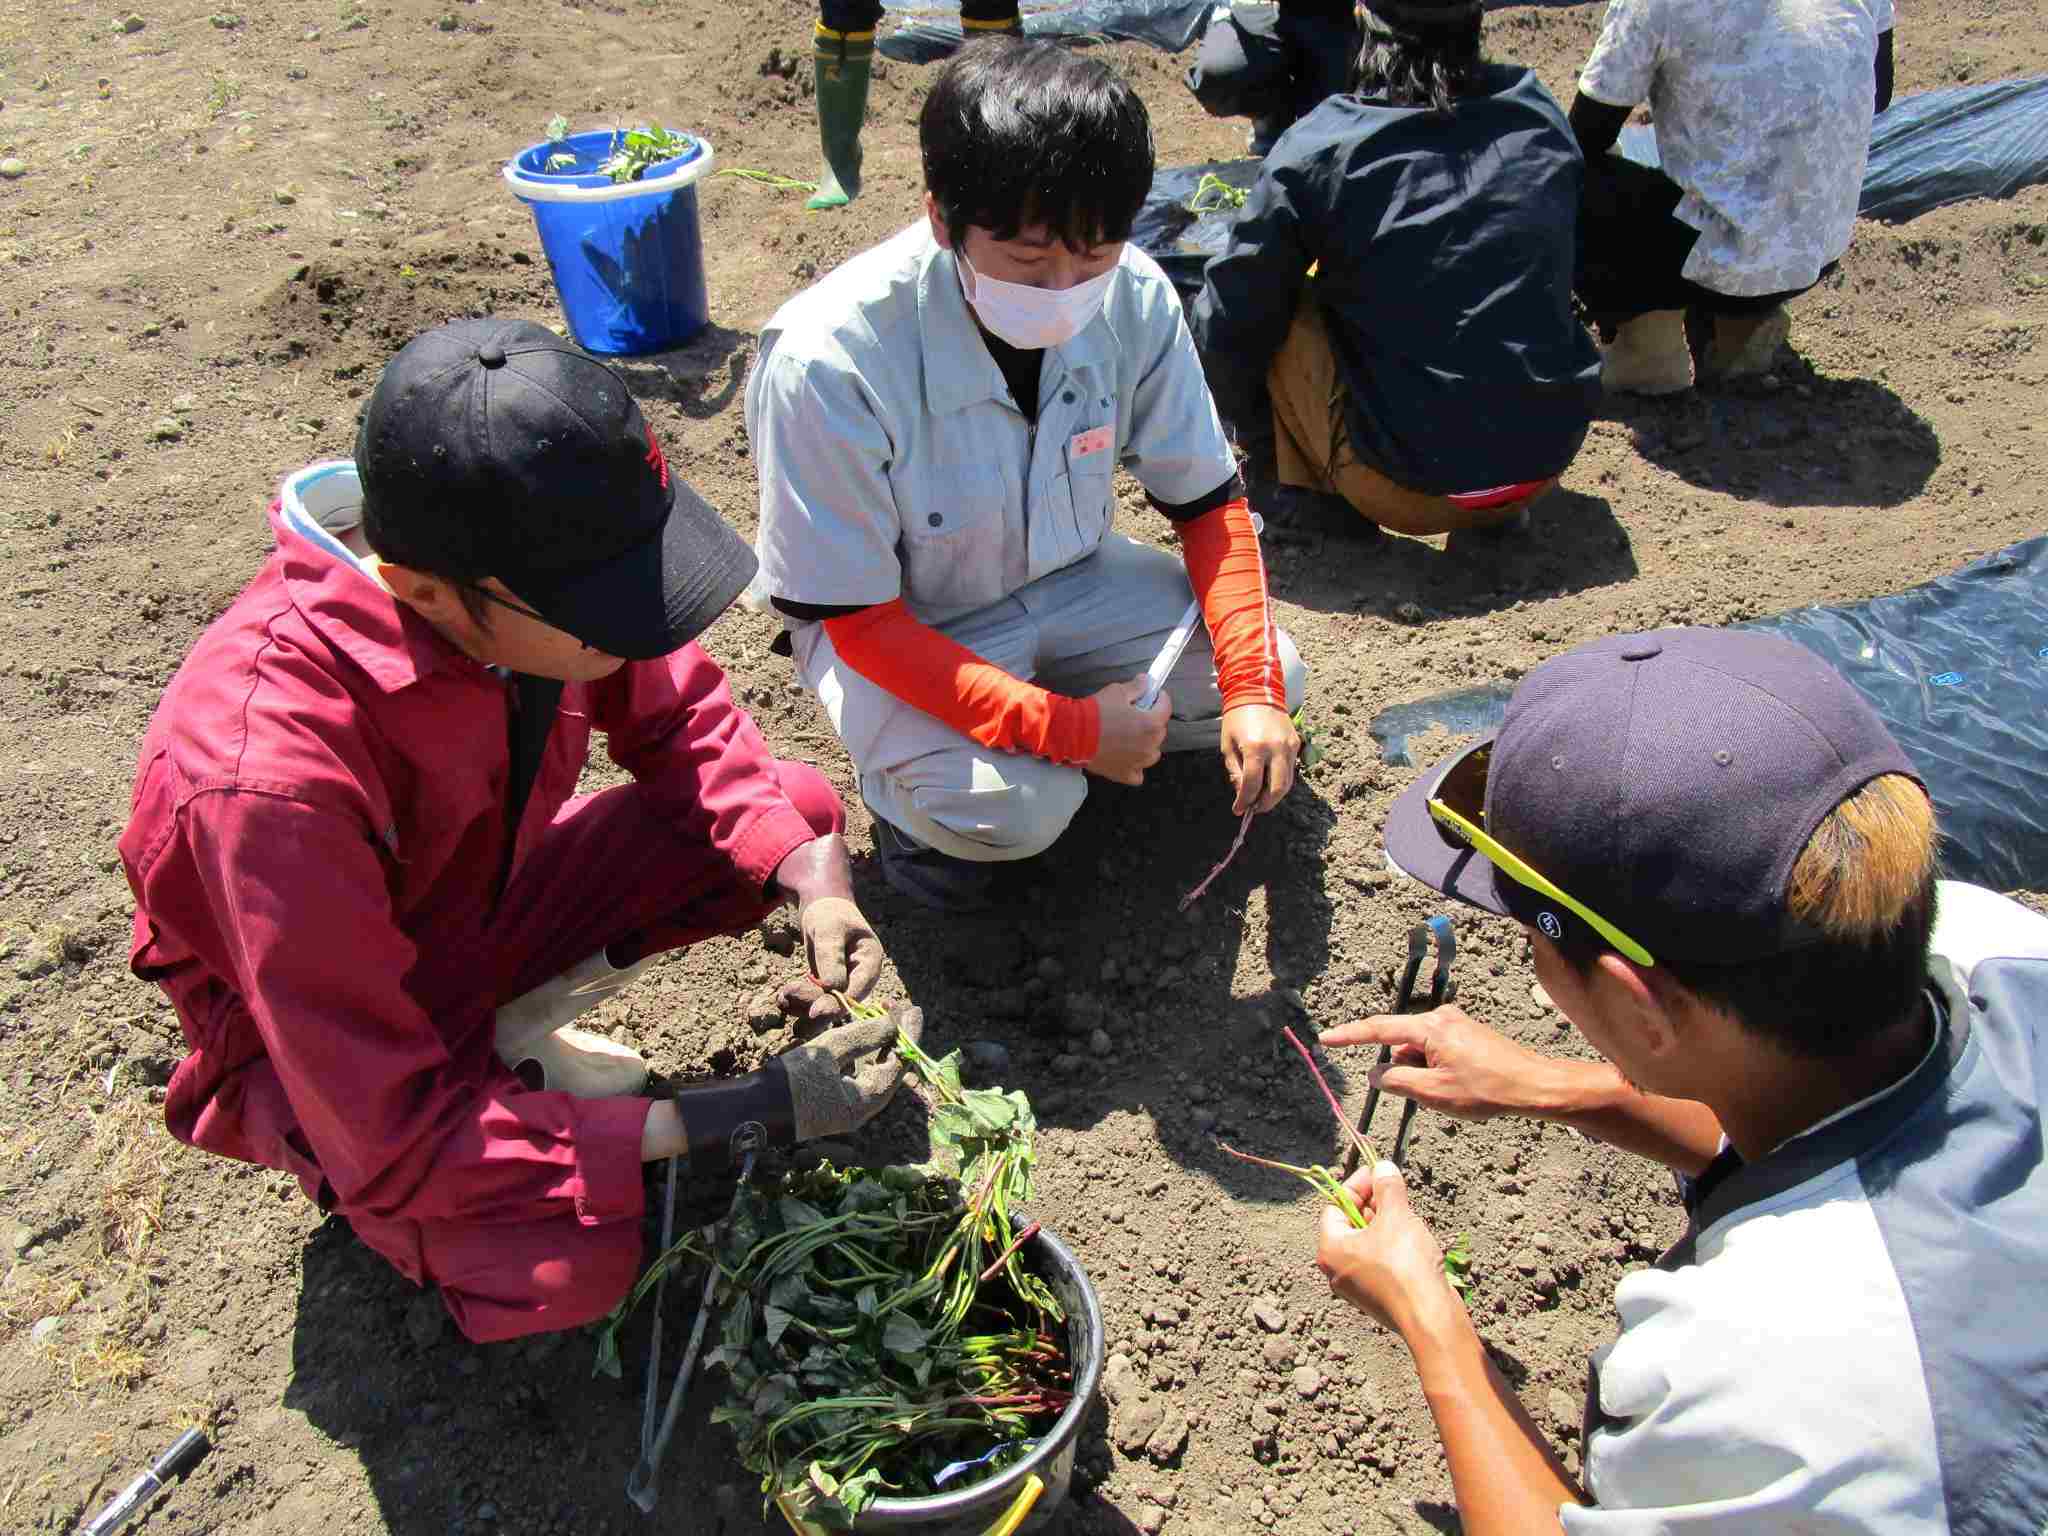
[1443, 245]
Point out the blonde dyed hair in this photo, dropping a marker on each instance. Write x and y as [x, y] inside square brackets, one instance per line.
[1867, 862]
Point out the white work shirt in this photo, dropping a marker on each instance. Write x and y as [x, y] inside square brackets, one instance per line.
[893, 461]
[1762, 110]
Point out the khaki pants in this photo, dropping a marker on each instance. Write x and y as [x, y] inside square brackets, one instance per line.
[1312, 449]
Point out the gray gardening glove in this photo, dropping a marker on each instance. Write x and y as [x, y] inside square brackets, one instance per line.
[832, 1085]
[842, 1079]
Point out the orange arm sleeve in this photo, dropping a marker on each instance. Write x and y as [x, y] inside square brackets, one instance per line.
[927, 671]
[1229, 577]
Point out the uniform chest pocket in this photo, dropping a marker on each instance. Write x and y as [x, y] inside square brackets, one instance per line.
[1086, 488]
[954, 532]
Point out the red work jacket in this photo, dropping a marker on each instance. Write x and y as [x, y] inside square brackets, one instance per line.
[317, 840]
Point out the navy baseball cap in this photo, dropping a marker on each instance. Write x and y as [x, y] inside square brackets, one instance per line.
[1662, 784]
[495, 448]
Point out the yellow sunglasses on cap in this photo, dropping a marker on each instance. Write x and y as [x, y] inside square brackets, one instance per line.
[1458, 807]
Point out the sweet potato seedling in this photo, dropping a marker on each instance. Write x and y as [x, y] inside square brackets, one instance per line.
[1311, 754]
[1213, 194]
[1311, 742]
[634, 150]
[880, 1330]
[1324, 1181]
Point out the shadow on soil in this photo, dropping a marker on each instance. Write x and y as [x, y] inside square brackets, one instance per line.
[702, 378]
[1801, 440]
[1574, 543]
[456, 1437]
[1108, 998]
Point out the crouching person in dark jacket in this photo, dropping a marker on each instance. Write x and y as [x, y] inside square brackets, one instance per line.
[1274, 63]
[1391, 327]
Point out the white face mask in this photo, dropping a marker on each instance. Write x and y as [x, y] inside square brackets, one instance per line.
[1030, 317]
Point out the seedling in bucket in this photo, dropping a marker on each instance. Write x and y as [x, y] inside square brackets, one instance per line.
[617, 217]
[881, 1326]
[634, 150]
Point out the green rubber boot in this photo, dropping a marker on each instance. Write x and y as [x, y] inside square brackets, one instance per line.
[843, 61]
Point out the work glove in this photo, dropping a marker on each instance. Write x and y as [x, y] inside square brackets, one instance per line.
[828, 1087]
[843, 955]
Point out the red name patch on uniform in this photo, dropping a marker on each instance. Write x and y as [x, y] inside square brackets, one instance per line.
[1092, 441]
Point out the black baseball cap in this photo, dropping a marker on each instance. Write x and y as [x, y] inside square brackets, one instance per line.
[1667, 782]
[495, 448]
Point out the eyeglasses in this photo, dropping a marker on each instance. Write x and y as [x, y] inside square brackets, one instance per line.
[1458, 806]
[505, 602]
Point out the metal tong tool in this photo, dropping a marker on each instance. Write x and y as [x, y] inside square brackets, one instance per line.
[1439, 989]
[643, 1486]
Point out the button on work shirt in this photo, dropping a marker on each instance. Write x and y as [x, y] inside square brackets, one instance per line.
[1443, 246]
[893, 461]
[318, 831]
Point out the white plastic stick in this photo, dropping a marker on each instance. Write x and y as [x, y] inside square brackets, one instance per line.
[1169, 655]
[1177, 642]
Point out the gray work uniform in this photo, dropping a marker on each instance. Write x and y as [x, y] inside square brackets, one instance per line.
[1847, 1338]
[893, 462]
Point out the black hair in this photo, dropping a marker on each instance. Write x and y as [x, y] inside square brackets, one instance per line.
[1019, 131]
[1425, 68]
[1823, 1001]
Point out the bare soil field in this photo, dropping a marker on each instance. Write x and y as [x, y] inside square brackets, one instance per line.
[227, 219]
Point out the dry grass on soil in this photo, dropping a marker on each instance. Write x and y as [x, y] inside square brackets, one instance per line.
[99, 1305]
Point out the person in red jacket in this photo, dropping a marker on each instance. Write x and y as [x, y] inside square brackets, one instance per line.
[366, 882]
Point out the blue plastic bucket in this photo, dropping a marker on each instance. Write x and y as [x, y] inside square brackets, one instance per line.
[627, 257]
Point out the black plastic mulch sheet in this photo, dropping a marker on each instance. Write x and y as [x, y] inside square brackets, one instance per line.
[1957, 669]
[1937, 147]
[1926, 151]
[933, 31]
[1179, 239]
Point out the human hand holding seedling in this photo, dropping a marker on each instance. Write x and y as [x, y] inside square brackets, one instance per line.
[1129, 739]
[1392, 1268]
[1448, 1061]
[1260, 745]
[845, 959]
[1344, 1205]
[845, 956]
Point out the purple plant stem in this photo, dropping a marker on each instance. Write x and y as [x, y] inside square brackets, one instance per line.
[1329, 1098]
[1018, 1242]
[1195, 895]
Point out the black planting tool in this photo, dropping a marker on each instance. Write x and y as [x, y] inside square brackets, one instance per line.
[1439, 988]
[185, 1454]
[643, 1484]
